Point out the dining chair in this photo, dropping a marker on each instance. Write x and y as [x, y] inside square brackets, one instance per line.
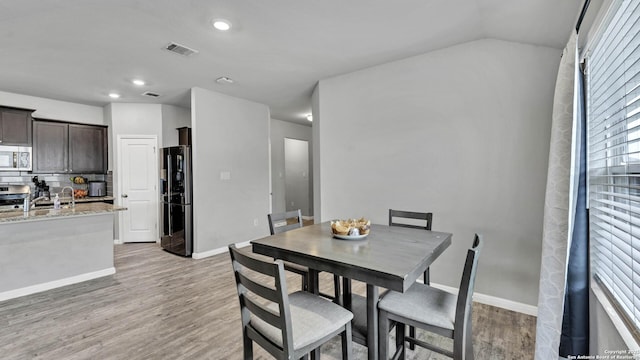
[434, 310]
[414, 220]
[288, 326]
[279, 223]
[282, 222]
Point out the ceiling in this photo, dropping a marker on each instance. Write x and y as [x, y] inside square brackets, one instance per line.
[276, 51]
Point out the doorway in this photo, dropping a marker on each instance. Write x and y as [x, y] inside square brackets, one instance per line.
[296, 174]
[137, 189]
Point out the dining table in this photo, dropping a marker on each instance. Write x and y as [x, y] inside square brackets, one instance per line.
[389, 257]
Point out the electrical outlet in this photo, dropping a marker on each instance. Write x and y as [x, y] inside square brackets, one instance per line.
[255, 222]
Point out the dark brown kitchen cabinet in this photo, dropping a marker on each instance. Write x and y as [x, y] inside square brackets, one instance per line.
[60, 147]
[50, 147]
[87, 149]
[15, 126]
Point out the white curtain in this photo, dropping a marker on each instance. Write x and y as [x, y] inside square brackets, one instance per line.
[558, 201]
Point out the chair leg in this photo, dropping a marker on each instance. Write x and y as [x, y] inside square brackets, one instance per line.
[247, 347]
[412, 333]
[337, 297]
[305, 282]
[347, 343]
[400, 340]
[383, 335]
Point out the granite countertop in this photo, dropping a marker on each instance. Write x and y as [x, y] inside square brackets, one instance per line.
[90, 208]
[65, 199]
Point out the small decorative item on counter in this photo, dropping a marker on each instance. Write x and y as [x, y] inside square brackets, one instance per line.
[78, 180]
[80, 193]
[56, 202]
[351, 227]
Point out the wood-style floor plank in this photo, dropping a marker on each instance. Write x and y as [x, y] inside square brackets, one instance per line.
[162, 306]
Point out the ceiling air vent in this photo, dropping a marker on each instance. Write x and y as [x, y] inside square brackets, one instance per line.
[150, 94]
[180, 49]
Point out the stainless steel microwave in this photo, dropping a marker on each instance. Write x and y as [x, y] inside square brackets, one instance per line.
[15, 158]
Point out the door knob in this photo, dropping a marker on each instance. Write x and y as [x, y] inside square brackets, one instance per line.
[125, 195]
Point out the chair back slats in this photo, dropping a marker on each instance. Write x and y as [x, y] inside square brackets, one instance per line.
[278, 221]
[258, 289]
[248, 270]
[465, 298]
[426, 217]
[263, 313]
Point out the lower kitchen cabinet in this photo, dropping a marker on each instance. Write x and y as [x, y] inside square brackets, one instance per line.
[60, 147]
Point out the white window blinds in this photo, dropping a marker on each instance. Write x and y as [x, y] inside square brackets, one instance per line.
[613, 115]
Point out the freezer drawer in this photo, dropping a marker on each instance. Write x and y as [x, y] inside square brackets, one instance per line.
[177, 229]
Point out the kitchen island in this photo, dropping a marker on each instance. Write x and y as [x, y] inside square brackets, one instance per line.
[45, 248]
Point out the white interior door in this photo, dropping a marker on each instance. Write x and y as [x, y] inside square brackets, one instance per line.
[138, 169]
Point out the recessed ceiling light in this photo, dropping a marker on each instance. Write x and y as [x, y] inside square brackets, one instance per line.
[221, 24]
[114, 95]
[224, 80]
[310, 117]
[138, 82]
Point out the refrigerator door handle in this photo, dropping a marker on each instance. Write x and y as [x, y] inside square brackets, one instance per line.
[169, 177]
[169, 191]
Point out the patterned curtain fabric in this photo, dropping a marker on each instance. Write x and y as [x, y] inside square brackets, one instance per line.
[575, 323]
[558, 202]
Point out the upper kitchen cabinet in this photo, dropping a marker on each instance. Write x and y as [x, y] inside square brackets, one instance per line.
[60, 147]
[15, 126]
[50, 147]
[87, 149]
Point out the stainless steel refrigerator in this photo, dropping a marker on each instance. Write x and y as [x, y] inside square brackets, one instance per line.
[177, 213]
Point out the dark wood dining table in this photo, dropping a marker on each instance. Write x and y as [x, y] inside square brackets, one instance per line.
[389, 257]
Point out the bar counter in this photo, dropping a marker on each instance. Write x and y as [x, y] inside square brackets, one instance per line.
[47, 212]
[45, 248]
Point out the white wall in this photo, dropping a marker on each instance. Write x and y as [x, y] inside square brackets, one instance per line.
[229, 135]
[54, 109]
[279, 131]
[462, 132]
[129, 119]
[173, 117]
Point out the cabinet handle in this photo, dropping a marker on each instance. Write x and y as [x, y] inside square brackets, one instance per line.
[125, 195]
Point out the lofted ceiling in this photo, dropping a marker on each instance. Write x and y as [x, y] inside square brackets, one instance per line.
[276, 50]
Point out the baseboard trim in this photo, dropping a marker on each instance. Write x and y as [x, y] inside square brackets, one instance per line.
[11, 294]
[209, 253]
[495, 301]
[217, 251]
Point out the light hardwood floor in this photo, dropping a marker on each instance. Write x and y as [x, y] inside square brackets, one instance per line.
[161, 306]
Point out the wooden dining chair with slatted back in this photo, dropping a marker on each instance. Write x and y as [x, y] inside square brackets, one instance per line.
[414, 220]
[288, 326]
[434, 310]
[281, 222]
[289, 220]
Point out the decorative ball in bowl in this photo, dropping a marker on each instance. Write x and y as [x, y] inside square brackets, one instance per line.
[351, 228]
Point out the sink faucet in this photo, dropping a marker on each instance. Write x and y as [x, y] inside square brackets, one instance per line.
[73, 196]
[34, 201]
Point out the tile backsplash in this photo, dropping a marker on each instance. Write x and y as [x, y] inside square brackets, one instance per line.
[55, 181]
